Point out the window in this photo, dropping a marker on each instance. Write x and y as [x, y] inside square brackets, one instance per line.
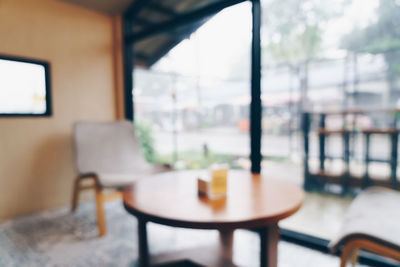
[194, 102]
[24, 87]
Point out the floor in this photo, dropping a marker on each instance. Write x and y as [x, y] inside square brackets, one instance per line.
[321, 214]
[59, 238]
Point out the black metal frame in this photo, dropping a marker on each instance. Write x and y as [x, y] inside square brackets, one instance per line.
[128, 20]
[163, 10]
[255, 107]
[128, 59]
[46, 66]
[255, 104]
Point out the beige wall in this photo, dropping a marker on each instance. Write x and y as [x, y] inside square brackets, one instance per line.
[36, 156]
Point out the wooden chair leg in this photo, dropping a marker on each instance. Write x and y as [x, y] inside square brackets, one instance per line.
[351, 249]
[346, 254]
[100, 211]
[354, 256]
[75, 194]
[354, 246]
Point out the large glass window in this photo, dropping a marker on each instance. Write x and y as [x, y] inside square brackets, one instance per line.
[338, 62]
[195, 100]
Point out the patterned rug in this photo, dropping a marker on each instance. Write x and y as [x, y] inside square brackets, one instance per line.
[59, 238]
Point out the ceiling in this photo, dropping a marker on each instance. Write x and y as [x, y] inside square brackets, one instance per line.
[110, 7]
[152, 12]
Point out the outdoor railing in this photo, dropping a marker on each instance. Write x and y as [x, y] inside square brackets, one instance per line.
[316, 123]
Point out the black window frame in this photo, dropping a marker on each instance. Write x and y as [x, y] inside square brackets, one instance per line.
[47, 70]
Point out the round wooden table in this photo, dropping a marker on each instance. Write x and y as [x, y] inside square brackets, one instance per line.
[252, 202]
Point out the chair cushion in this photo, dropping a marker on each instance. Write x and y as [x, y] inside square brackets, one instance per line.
[112, 152]
[116, 179]
[119, 180]
[108, 147]
[373, 215]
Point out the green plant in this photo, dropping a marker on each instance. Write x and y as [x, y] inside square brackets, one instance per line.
[144, 132]
[194, 159]
[380, 37]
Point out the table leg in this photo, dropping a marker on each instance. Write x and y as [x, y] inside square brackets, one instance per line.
[269, 237]
[143, 245]
[226, 244]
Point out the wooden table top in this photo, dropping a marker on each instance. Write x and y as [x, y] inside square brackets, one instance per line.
[252, 201]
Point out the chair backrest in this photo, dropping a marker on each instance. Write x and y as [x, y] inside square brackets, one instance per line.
[108, 147]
